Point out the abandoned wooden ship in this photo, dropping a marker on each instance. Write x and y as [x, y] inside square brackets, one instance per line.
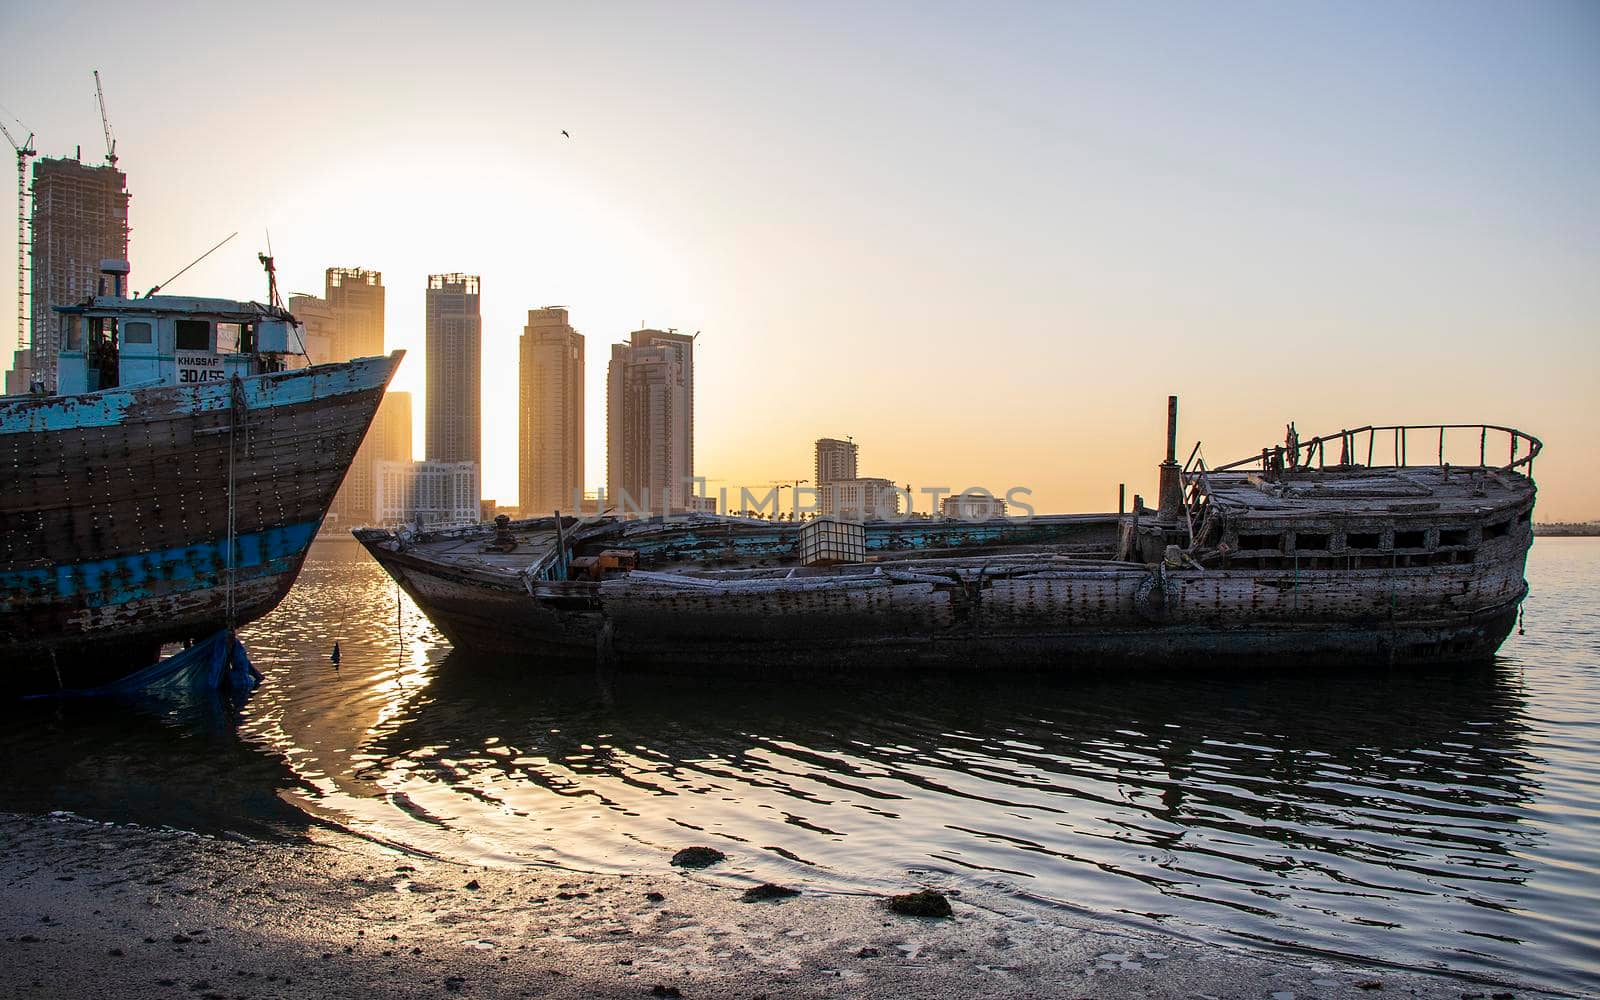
[1283, 555]
[171, 486]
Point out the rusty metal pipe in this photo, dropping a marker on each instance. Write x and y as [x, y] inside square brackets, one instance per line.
[1172, 428]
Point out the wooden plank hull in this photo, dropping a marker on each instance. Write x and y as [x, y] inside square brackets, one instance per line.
[1084, 614]
[114, 521]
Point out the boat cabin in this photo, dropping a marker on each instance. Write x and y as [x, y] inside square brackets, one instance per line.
[109, 341]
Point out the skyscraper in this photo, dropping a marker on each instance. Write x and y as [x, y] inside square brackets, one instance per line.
[80, 217]
[650, 421]
[455, 337]
[550, 409]
[836, 460]
[390, 433]
[388, 440]
[356, 297]
[319, 323]
[349, 323]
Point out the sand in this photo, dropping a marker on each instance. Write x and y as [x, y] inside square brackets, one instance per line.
[97, 910]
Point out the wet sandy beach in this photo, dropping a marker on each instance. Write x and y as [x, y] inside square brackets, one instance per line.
[90, 909]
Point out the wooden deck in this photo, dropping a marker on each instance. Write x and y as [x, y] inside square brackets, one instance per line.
[1354, 491]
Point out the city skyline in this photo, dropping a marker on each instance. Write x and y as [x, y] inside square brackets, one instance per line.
[1118, 209]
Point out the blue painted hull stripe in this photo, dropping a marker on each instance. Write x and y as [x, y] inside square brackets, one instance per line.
[119, 580]
[22, 414]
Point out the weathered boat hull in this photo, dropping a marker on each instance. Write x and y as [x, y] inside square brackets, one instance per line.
[114, 528]
[1084, 613]
[1277, 558]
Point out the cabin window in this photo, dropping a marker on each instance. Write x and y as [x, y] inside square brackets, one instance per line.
[228, 338]
[1454, 536]
[1410, 539]
[1260, 542]
[72, 333]
[193, 335]
[136, 333]
[1497, 530]
[1363, 540]
[1305, 541]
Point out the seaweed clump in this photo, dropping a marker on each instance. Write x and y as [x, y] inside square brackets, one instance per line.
[698, 857]
[925, 903]
[769, 890]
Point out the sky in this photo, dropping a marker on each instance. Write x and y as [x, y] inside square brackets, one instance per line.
[985, 241]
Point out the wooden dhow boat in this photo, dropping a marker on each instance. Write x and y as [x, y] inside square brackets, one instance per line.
[173, 484]
[1285, 556]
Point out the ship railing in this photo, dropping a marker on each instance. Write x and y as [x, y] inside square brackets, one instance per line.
[1519, 447]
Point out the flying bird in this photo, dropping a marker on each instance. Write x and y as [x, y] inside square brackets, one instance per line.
[564, 132]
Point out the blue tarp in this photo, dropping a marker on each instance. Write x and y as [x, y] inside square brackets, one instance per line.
[215, 664]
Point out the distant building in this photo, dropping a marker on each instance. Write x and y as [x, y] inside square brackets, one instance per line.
[348, 322]
[391, 428]
[973, 505]
[1570, 529]
[455, 340]
[319, 322]
[650, 422]
[550, 413]
[21, 372]
[80, 217]
[836, 460]
[387, 440]
[355, 295]
[428, 494]
[862, 499]
[702, 504]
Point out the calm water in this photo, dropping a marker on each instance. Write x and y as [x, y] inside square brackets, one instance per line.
[1428, 818]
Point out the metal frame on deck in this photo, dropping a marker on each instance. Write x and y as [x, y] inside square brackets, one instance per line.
[1522, 449]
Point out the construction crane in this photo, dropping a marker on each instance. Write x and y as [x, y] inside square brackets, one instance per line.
[792, 485]
[25, 151]
[105, 122]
